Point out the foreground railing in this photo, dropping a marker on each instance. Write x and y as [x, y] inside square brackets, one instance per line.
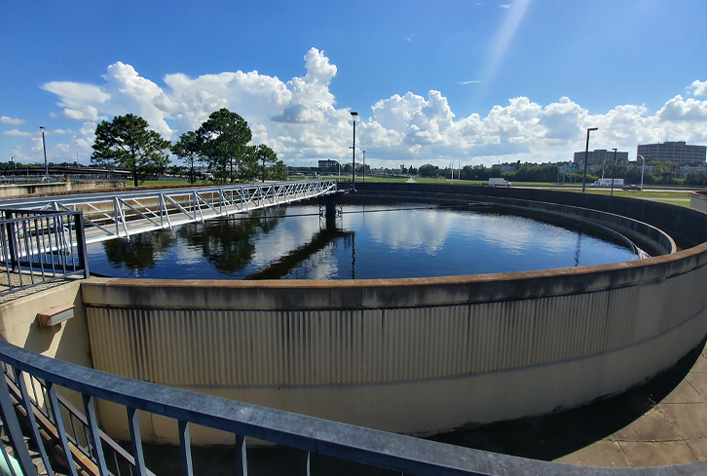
[38, 411]
[307, 434]
[37, 247]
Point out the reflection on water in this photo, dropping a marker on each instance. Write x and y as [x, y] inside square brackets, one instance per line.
[292, 260]
[371, 241]
[142, 251]
[229, 245]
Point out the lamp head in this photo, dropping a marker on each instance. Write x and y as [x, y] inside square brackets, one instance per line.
[592, 129]
[42, 128]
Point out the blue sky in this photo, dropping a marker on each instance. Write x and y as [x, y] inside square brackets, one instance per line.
[481, 81]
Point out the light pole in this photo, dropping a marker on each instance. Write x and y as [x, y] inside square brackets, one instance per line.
[44, 143]
[76, 143]
[364, 166]
[586, 154]
[354, 116]
[643, 169]
[613, 172]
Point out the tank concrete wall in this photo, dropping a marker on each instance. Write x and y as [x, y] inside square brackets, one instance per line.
[415, 356]
[698, 201]
[43, 189]
[67, 341]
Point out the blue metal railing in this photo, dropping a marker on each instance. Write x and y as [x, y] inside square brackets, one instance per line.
[309, 435]
[28, 392]
[37, 247]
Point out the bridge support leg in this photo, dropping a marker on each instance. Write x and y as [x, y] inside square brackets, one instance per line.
[330, 211]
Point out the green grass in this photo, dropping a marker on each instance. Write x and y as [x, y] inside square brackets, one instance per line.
[644, 194]
[651, 195]
[670, 202]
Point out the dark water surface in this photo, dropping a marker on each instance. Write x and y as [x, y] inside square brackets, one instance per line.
[400, 240]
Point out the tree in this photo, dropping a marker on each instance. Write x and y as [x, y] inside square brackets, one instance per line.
[223, 138]
[428, 170]
[126, 142]
[278, 171]
[188, 148]
[264, 154]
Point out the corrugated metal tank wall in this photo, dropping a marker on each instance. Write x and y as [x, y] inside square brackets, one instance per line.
[391, 354]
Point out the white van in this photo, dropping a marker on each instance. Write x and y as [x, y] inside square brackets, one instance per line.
[499, 182]
[606, 182]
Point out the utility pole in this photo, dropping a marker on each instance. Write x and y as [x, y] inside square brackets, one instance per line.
[586, 154]
[44, 143]
[613, 173]
[354, 116]
[364, 166]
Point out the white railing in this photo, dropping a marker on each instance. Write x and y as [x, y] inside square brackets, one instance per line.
[122, 214]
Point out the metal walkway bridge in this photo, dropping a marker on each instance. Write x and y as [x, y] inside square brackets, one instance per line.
[121, 214]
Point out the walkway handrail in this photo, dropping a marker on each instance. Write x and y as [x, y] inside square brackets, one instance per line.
[121, 214]
[37, 247]
[308, 434]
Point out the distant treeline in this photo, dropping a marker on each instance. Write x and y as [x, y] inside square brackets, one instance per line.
[665, 173]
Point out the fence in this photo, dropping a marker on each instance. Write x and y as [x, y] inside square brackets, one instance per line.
[308, 435]
[37, 247]
[41, 179]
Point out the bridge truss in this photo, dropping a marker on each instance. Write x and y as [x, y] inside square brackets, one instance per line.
[123, 214]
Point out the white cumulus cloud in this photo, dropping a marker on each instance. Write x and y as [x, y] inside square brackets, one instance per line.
[11, 121]
[300, 119]
[17, 133]
[698, 88]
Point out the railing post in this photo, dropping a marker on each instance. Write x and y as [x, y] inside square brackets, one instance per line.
[60, 428]
[115, 217]
[136, 442]
[27, 403]
[95, 437]
[81, 243]
[185, 448]
[305, 463]
[12, 428]
[241, 458]
[160, 204]
[14, 263]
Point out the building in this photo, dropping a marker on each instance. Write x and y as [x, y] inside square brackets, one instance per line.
[686, 169]
[676, 152]
[598, 156]
[327, 164]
